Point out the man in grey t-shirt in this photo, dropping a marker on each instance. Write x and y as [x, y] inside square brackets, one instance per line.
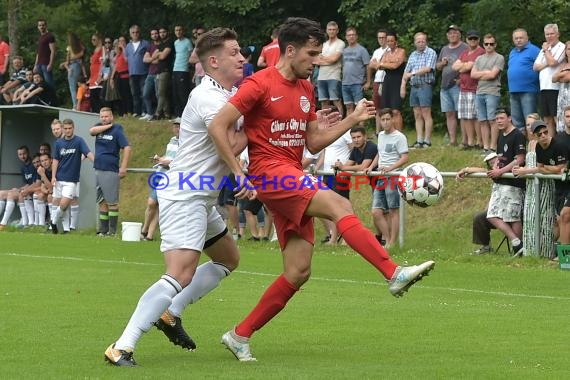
[487, 70]
[449, 92]
[355, 58]
[392, 155]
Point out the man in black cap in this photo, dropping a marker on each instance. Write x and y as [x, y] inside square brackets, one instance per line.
[551, 158]
[449, 92]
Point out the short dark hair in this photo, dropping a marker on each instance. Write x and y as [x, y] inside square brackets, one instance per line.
[385, 111]
[297, 31]
[212, 40]
[24, 147]
[357, 129]
[501, 109]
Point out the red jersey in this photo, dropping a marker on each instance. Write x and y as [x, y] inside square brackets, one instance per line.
[276, 115]
[271, 53]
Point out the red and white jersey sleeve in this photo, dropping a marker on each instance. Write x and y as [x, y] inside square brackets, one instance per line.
[276, 116]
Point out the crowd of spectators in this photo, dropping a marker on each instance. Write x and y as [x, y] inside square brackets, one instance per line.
[152, 79]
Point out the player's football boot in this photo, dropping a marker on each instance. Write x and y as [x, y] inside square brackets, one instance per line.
[171, 326]
[121, 358]
[404, 277]
[238, 346]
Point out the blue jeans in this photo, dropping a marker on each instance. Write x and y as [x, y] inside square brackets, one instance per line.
[449, 99]
[73, 73]
[522, 104]
[352, 93]
[48, 76]
[136, 82]
[421, 96]
[386, 195]
[149, 93]
[486, 106]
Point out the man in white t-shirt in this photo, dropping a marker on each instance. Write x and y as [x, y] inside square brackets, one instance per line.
[189, 221]
[330, 66]
[338, 151]
[378, 76]
[547, 63]
[392, 155]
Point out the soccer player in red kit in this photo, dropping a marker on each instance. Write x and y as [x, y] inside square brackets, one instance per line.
[278, 107]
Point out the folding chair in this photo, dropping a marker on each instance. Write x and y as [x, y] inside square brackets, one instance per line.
[508, 243]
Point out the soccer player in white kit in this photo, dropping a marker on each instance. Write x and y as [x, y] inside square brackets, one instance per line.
[189, 222]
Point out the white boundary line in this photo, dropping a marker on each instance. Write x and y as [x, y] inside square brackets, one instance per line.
[338, 280]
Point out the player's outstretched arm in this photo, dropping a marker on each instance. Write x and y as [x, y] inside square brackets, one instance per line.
[320, 138]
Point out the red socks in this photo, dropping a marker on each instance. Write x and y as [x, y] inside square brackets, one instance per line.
[364, 242]
[271, 303]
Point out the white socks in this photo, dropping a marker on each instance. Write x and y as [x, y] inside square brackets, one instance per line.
[74, 210]
[150, 307]
[29, 206]
[206, 279]
[22, 207]
[10, 206]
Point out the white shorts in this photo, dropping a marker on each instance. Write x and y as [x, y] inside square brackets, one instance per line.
[506, 203]
[67, 190]
[188, 224]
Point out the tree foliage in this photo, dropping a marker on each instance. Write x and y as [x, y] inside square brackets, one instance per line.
[255, 19]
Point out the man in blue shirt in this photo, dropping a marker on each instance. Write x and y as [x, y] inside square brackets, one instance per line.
[138, 70]
[110, 140]
[420, 72]
[523, 80]
[66, 168]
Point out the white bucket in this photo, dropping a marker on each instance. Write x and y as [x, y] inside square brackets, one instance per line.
[131, 231]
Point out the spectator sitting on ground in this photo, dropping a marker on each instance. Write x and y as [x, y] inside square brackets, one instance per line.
[25, 85]
[39, 92]
[17, 78]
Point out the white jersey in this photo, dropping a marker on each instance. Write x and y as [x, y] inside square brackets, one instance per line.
[197, 169]
[337, 150]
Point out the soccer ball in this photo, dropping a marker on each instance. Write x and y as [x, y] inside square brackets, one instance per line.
[422, 185]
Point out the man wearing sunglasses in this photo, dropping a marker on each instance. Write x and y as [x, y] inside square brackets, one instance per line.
[551, 158]
[487, 70]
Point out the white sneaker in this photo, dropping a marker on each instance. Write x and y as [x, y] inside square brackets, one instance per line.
[239, 349]
[143, 116]
[404, 277]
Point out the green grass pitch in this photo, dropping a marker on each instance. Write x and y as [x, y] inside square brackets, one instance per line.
[64, 299]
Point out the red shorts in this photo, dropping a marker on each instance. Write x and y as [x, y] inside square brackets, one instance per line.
[286, 191]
